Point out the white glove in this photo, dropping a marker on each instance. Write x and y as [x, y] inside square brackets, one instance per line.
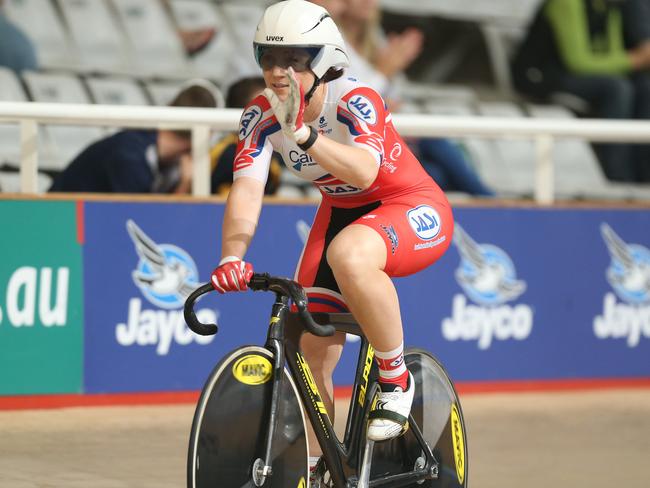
[289, 112]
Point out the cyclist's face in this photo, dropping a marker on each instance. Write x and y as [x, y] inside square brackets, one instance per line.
[276, 61]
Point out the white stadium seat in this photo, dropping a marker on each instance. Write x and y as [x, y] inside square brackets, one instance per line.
[67, 141]
[163, 92]
[517, 155]
[40, 21]
[577, 171]
[214, 61]
[98, 38]
[242, 18]
[116, 91]
[481, 152]
[10, 91]
[155, 46]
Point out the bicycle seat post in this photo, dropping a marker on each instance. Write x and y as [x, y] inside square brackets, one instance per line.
[364, 476]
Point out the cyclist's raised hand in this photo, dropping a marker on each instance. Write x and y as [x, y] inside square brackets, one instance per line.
[289, 111]
[232, 274]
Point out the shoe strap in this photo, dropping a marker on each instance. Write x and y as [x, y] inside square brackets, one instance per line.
[388, 415]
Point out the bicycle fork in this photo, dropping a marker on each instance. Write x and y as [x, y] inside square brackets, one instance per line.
[262, 468]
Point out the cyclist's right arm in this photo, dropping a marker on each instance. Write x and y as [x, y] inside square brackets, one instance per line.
[241, 216]
[250, 172]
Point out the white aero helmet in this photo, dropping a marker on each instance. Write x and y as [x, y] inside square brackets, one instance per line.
[300, 23]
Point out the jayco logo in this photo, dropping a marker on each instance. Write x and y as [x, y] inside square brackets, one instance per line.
[363, 108]
[166, 275]
[629, 276]
[275, 38]
[488, 277]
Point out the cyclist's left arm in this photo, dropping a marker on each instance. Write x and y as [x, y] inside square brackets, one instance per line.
[351, 164]
[356, 160]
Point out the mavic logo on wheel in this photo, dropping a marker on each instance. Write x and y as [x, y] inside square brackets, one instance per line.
[252, 369]
[629, 276]
[458, 441]
[487, 276]
[165, 275]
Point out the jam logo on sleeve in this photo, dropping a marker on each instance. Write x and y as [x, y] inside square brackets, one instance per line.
[362, 108]
[249, 120]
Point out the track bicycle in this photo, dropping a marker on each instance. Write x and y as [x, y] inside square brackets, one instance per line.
[249, 425]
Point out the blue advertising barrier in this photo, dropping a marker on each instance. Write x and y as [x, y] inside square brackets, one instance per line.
[521, 294]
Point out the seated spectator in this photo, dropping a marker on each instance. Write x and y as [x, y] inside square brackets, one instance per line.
[138, 161]
[379, 60]
[578, 47]
[17, 52]
[222, 154]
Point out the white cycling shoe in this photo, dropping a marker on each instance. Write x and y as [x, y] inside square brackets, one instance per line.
[390, 416]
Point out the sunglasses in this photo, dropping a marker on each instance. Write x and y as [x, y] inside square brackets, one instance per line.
[299, 59]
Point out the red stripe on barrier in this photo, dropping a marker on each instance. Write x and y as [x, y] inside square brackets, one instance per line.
[25, 402]
[95, 400]
[80, 223]
[550, 385]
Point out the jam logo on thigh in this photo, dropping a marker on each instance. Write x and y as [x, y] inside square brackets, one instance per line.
[629, 276]
[425, 222]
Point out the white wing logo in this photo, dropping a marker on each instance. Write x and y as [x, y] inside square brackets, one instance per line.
[165, 274]
[629, 270]
[486, 273]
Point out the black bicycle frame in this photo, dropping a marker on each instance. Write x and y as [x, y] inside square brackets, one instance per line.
[287, 328]
[283, 339]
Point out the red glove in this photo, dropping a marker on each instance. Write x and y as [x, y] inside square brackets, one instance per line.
[232, 274]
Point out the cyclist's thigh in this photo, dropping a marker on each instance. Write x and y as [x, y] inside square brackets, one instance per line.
[416, 230]
[313, 271]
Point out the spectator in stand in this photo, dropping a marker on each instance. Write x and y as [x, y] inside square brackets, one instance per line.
[222, 154]
[138, 161]
[380, 61]
[17, 52]
[579, 47]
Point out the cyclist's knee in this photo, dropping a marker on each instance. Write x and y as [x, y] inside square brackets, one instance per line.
[351, 254]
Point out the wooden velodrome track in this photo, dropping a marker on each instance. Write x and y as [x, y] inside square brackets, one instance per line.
[561, 439]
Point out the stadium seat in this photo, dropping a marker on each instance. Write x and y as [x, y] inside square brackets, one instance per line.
[116, 91]
[10, 91]
[577, 171]
[242, 18]
[214, 61]
[481, 152]
[155, 46]
[66, 141]
[162, 92]
[517, 155]
[10, 182]
[97, 37]
[42, 24]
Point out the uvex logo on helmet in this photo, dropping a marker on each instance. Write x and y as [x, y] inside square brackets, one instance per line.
[275, 38]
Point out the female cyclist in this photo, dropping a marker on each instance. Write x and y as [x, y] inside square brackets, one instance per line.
[381, 214]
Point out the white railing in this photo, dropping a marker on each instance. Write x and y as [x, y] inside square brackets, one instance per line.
[201, 121]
